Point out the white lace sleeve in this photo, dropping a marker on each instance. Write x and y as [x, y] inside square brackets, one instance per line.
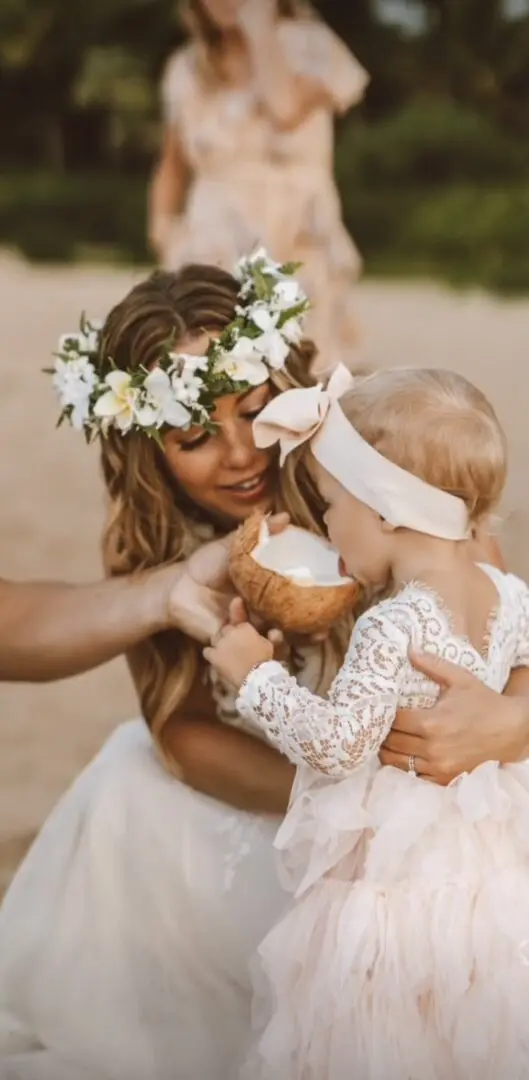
[339, 733]
[521, 658]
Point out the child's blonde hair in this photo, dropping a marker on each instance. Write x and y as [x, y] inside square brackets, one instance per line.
[436, 425]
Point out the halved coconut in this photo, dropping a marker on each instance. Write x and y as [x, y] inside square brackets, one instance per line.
[291, 580]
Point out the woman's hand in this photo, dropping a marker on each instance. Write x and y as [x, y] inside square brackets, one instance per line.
[199, 599]
[468, 725]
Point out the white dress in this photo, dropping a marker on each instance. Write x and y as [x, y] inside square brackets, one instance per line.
[405, 953]
[126, 935]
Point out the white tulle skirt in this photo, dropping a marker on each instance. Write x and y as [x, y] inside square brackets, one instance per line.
[126, 936]
[406, 953]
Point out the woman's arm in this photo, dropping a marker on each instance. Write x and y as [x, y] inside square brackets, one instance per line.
[53, 630]
[167, 191]
[226, 763]
[288, 96]
[298, 65]
[468, 725]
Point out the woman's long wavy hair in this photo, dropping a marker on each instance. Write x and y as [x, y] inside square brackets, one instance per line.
[148, 524]
[207, 34]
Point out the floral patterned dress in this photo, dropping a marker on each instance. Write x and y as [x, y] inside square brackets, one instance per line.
[253, 184]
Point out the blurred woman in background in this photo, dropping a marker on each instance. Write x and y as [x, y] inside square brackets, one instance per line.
[247, 153]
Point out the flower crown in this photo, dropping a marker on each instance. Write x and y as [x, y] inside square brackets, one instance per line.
[181, 390]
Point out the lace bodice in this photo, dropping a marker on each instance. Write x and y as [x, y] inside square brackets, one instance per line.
[337, 734]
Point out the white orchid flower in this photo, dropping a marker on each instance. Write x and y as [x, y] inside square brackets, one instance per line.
[70, 343]
[292, 331]
[160, 392]
[73, 382]
[273, 347]
[187, 362]
[262, 317]
[287, 294]
[242, 363]
[186, 388]
[271, 343]
[244, 266]
[89, 341]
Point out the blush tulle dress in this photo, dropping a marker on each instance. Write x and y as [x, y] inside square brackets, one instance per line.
[405, 952]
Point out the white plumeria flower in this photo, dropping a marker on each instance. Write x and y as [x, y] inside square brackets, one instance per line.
[159, 388]
[74, 381]
[243, 364]
[119, 405]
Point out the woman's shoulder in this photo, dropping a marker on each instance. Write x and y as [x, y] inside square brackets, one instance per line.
[179, 73]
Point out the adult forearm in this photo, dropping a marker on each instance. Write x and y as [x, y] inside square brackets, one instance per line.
[229, 765]
[52, 631]
[165, 196]
[167, 191]
[287, 96]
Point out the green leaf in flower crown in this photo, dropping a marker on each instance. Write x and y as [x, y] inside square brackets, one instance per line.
[155, 434]
[293, 313]
[290, 268]
[262, 288]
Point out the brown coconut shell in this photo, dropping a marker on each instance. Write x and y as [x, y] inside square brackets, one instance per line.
[299, 609]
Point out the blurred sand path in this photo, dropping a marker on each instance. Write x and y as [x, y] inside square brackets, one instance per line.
[52, 498]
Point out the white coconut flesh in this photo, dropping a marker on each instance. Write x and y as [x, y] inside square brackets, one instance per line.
[299, 556]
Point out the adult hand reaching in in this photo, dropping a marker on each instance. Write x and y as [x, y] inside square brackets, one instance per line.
[468, 725]
[199, 600]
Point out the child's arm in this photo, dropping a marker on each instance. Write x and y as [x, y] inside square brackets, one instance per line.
[337, 734]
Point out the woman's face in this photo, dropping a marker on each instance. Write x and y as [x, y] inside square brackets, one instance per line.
[223, 13]
[224, 472]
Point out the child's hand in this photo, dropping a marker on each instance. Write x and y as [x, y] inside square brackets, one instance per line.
[237, 650]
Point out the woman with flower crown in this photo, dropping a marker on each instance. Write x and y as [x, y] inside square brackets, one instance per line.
[125, 938]
[247, 155]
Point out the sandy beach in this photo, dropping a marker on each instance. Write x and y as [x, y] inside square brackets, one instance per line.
[52, 499]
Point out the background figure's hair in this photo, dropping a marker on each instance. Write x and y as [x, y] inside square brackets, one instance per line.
[151, 523]
[436, 425]
[202, 28]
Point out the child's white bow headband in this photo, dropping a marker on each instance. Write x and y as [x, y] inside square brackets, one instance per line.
[402, 499]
